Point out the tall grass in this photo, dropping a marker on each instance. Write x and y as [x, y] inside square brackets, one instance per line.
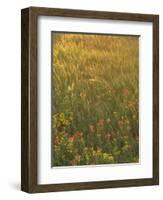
[95, 99]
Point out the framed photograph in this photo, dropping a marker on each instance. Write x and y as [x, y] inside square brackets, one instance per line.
[90, 99]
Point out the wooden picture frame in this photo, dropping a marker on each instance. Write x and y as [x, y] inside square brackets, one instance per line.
[29, 112]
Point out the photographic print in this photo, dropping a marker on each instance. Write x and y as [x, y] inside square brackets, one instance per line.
[95, 99]
[89, 99]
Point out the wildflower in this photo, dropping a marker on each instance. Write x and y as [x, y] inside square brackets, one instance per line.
[71, 139]
[78, 134]
[71, 87]
[108, 121]
[109, 136]
[101, 122]
[111, 158]
[82, 94]
[125, 92]
[91, 128]
[98, 150]
[125, 147]
[56, 140]
[65, 134]
[61, 117]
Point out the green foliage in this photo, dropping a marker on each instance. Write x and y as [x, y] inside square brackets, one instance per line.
[95, 99]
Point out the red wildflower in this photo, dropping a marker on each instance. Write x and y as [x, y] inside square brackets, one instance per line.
[101, 122]
[71, 139]
[78, 134]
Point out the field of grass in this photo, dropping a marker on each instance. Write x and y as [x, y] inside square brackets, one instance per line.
[95, 99]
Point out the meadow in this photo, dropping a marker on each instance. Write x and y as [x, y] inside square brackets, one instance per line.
[95, 99]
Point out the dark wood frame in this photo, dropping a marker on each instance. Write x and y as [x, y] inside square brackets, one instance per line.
[29, 99]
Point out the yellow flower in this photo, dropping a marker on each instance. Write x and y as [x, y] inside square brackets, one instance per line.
[111, 158]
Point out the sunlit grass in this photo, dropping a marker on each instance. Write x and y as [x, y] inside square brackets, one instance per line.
[95, 99]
